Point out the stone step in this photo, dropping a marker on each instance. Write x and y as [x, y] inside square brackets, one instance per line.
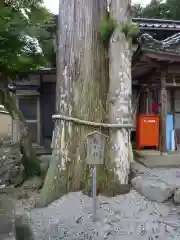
[155, 160]
[6, 216]
[40, 150]
[6, 225]
[7, 236]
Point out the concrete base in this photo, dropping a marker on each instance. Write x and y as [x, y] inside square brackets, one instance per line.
[154, 159]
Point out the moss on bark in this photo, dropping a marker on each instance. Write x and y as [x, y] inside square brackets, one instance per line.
[107, 183]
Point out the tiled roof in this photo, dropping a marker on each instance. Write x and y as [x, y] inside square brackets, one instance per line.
[145, 23]
[169, 45]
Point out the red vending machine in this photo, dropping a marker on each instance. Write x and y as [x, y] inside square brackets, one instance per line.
[147, 131]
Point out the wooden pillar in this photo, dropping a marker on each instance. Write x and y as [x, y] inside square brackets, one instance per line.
[142, 103]
[173, 105]
[147, 103]
[163, 113]
[149, 98]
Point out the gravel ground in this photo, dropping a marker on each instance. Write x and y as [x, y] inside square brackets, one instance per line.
[129, 217]
[126, 217]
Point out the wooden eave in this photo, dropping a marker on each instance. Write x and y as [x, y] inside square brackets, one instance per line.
[154, 55]
[141, 66]
[148, 68]
[43, 71]
[151, 62]
[161, 56]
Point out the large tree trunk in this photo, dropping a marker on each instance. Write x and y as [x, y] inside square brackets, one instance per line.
[82, 84]
[120, 91]
[82, 87]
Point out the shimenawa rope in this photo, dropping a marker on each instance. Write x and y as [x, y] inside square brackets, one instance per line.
[89, 123]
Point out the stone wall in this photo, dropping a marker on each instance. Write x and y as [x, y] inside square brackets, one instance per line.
[11, 168]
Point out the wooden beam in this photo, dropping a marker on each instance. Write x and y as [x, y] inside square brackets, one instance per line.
[163, 113]
[173, 68]
[162, 56]
[173, 81]
[146, 77]
[154, 63]
[172, 85]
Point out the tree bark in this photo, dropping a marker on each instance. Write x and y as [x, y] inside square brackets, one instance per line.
[82, 85]
[120, 91]
[25, 141]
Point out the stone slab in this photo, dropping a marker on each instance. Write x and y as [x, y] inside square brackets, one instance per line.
[153, 189]
[155, 160]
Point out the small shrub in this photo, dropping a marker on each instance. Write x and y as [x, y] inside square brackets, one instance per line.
[129, 29]
[107, 27]
[31, 168]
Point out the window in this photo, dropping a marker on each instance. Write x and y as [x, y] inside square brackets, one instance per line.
[29, 105]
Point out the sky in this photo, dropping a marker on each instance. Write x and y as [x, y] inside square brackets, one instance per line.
[52, 5]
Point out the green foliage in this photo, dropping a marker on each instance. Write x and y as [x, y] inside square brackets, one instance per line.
[107, 27]
[26, 42]
[21, 3]
[172, 8]
[137, 10]
[22, 35]
[158, 9]
[129, 29]
[31, 167]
